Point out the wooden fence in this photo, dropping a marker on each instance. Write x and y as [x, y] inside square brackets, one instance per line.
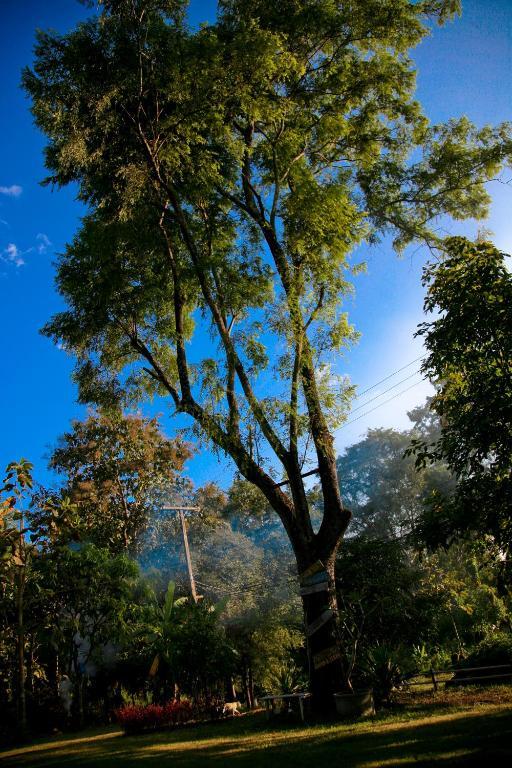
[457, 676]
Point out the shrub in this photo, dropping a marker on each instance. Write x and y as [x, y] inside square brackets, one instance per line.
[383, 671]
[152, 717]
[493, 650]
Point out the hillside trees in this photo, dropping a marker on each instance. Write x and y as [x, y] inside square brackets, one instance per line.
[229, 174]
[381, 485]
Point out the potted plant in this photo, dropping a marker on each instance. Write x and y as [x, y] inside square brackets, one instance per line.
[352, 701]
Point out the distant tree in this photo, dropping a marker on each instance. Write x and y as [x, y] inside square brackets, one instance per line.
[229, 174]
[469, 359]
[381, 485]
[118, 471]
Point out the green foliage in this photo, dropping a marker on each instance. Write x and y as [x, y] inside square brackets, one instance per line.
[230, 172]
[386, 598]
[467, 576]
[199, 656]
[383, 671]
[496, 649]
[17, 482]
[88, 595]
[118, 471]
[287, 678]
[469, 359]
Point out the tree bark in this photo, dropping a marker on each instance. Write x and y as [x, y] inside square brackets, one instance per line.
[323, 642]
[20, 652]
[250, 687]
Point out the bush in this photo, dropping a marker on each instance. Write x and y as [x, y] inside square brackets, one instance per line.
[493, 650]
[152, 717]
[382, 669]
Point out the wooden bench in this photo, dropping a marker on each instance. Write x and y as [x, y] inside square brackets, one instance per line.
[271, 699]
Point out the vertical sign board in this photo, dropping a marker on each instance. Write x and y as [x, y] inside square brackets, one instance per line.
[313, 579]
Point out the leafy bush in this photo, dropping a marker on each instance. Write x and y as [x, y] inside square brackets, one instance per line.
[493, 650]
[423, 659]
[382, 668]
[288, 678]
[134, 719]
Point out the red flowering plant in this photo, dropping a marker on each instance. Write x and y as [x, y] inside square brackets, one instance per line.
[152, 717]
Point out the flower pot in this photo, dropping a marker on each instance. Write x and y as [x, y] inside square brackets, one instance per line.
[356, 704]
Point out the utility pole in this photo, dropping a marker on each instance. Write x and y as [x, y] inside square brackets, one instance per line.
[181, 511]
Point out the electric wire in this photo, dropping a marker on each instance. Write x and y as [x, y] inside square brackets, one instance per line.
[386, 378]
[385, 402]
[221, 473]
[389, 389]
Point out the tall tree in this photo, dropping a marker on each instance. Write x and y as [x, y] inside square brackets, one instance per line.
[469, 358]
[229, 173]
[15, 559]
[118, 470]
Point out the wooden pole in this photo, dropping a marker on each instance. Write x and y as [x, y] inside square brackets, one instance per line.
[180, 511]
[187, 555]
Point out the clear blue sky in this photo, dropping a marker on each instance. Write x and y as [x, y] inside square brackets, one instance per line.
[464, 68]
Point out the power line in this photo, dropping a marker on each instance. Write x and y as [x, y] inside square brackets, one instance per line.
[398, 394]
[363, 405]
[389, 389]
[386, 378]
[230, 591]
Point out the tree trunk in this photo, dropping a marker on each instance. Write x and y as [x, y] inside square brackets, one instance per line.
[20, 653]
[322, 637]
[231, 690]
[250, 687]
[245, 685]
[80, 698]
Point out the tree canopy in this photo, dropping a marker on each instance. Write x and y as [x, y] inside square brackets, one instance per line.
[381, 485]
[291, 128]
[118, 471]
[469, 292]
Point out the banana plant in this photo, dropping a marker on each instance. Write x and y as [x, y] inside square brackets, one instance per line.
[166, 624]
[163, 631]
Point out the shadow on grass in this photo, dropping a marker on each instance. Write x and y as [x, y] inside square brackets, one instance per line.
[472, 738]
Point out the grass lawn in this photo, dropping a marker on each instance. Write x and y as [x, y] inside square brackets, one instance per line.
[449, 728]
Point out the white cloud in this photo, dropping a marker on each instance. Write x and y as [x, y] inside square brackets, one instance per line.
[13, 255]
[43, 242]
[13, 191]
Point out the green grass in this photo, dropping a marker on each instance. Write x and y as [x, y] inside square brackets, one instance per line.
[445, 730]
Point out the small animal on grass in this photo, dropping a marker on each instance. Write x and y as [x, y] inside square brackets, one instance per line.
[231, 708]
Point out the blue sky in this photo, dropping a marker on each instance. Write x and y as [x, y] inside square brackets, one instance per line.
[464, 68]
